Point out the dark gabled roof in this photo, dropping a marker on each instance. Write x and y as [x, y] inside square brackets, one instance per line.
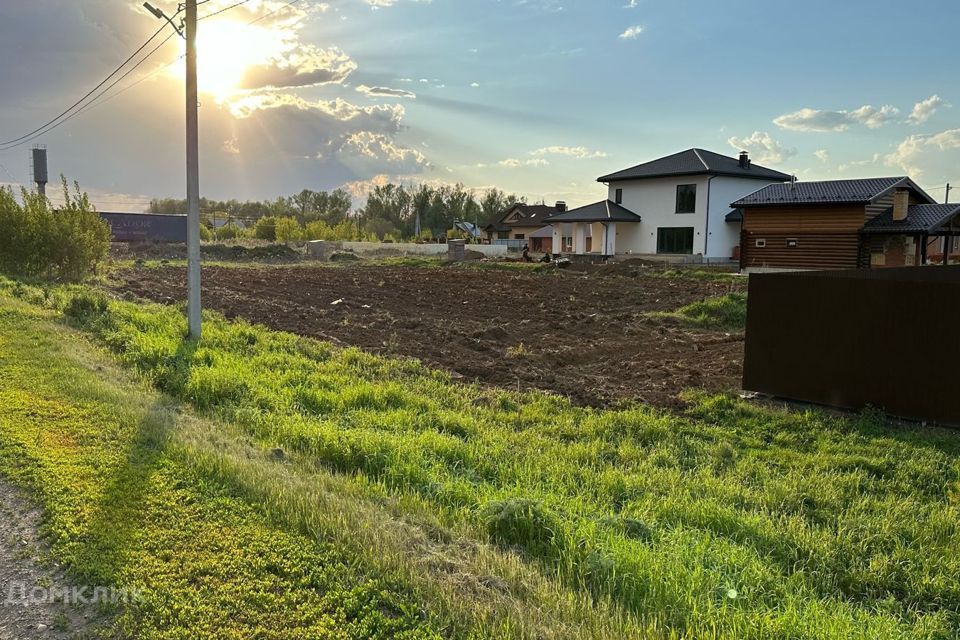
[861, 191]
[603, 211]
[534, 215]
[921, 218]
[735, 215]
[695, 162]
[531, 215]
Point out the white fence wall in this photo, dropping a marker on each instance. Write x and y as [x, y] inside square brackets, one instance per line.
[373, 249]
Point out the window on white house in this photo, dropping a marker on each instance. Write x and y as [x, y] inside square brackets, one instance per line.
[519, 236]
[675, 240]
[686, 198]
[619, 196]
[761, 243]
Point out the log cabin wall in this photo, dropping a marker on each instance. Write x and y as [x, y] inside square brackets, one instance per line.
[803, 237]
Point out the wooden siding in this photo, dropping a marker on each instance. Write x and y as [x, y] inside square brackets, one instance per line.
[803, 219]
[827, 237]
[812, 250]
[882, 204]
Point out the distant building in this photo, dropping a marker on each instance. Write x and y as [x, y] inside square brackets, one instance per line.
[146, 227]
[674, 206]
[469, 229]
[842, 224]
[521, 220]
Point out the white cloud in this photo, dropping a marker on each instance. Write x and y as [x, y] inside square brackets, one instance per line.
[821, 120]
[359, 137]
[306, 66]
[924, 110]
[632, 4]
[925, 155]
[513, 163]
[763, 147]
[581, 153]
[632, 33]
[822, 155]
[385, 92]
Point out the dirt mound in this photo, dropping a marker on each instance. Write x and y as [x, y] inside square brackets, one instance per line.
[275, 253]
[585, 337]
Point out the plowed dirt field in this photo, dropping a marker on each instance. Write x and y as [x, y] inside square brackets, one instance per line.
[586, 336]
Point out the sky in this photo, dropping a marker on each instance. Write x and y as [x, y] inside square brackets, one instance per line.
[536, 97]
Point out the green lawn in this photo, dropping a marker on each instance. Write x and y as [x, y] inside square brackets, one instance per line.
[476, 513]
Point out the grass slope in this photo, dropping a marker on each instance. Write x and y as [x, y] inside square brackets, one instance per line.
[105, 458]
[520, 515]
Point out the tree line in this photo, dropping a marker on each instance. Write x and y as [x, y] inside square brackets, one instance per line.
[392, 212]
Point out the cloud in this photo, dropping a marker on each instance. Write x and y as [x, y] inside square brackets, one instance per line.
[513, 163]
[386, 92]
[924, 110]
[922, 155]
[820, 120]
[632, 33]
[580, 153]
[822, 155]
[307, 66]
[360, 137]
[383, 4]
[632, 4]
[363, 150]
[762, 147]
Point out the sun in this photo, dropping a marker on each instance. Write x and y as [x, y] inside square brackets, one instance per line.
[228, 50]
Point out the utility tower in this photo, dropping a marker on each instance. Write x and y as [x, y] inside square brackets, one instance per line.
[39, 168]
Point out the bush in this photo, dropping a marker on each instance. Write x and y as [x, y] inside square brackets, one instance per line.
[524, 523]
[85, 306]
[228, 231]
[206, 235]
[266, 229]
[37, 240]
[288, 230]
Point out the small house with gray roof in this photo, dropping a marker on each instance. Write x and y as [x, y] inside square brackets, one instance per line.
[842, 224]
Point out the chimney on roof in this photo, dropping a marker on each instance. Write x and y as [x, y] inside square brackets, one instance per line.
[561, 206]
[901, 204]
[744, 160]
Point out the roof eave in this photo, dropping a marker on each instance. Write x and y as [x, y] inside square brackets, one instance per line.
[727, 174]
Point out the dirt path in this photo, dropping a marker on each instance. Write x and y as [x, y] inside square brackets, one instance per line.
[29, 584]
[584, 336]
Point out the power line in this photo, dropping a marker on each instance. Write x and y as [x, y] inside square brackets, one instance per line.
[275, 11]
[56, 122]
[50, 127]
[88, 94]
[224, 10]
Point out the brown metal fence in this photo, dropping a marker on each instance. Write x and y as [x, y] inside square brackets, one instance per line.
[889, 338]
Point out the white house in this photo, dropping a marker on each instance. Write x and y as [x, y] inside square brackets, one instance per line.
[675, 206]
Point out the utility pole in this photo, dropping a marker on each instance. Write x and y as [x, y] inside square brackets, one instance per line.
[946, 200]
[189, 33]
[193, 176]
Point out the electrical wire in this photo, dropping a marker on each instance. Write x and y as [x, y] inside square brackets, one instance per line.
[48, 128]
[57, 122]
[224, 10]
[4, 145]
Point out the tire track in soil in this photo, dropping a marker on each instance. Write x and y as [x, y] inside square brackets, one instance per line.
[584, 336]
[25, 615]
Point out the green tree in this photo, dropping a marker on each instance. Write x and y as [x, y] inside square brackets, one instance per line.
[67, 244]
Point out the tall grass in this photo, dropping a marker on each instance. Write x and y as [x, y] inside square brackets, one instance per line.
[731, 521]
[726, 312]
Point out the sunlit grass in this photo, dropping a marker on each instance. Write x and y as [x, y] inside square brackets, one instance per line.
[726, 312]
[730, 521]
